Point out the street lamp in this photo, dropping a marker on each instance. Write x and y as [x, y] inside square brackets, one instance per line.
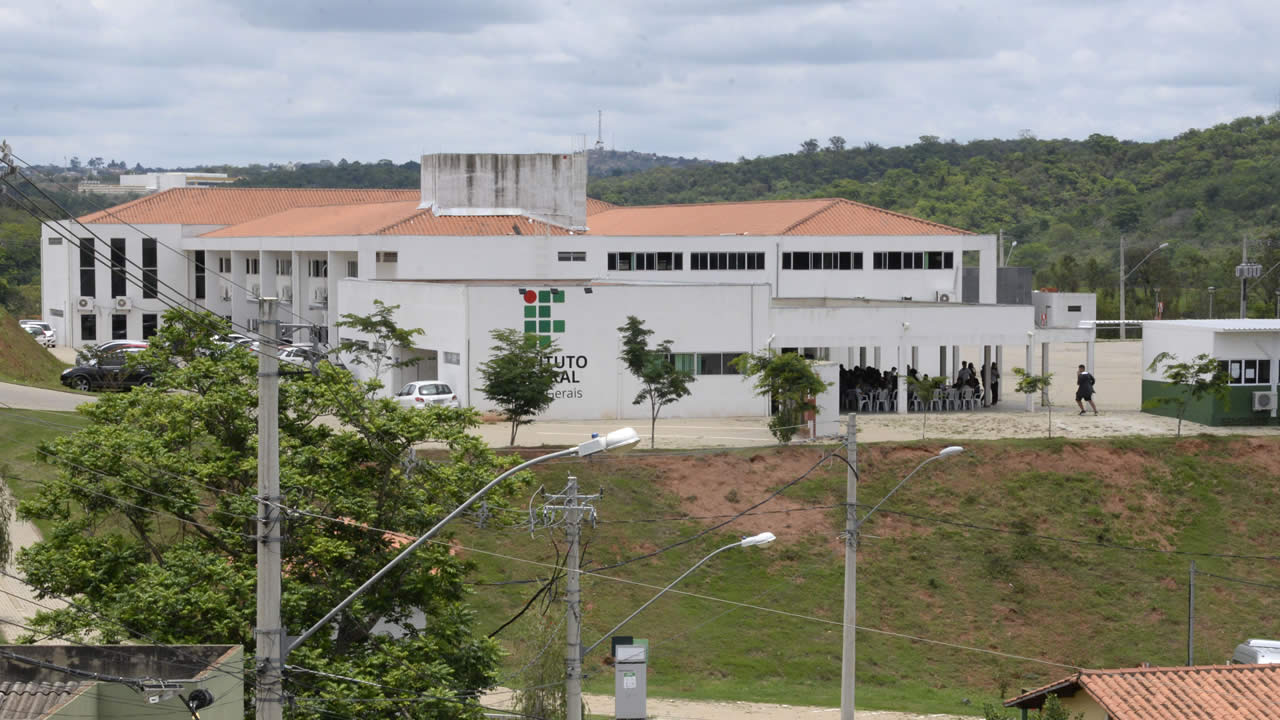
[1211, 289]
[849, 656]
[1125, 276]
[763, 538]
[1010, 254]
[617, 440]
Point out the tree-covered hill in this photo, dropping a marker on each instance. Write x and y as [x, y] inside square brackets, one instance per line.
[1066, 202]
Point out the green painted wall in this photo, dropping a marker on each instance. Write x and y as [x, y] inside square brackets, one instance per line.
[1208, 411]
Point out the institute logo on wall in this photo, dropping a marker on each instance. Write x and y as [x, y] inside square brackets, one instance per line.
[539, 314]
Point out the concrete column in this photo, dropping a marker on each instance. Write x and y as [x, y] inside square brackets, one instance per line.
[986, 375]
[877, 358]
[987, 274]
[942, 361]
[862, 355]
[902, 393]
[915, 357]
[955, 363]
[1000, 368]
[1088, 362]
[1031, 351]
[1044, 370]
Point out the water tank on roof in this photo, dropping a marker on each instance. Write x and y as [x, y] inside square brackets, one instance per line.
[1257, 652]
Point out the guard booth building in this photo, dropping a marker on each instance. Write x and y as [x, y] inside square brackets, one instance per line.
[1248, 350]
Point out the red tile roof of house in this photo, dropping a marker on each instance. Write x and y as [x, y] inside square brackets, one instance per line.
[283, 212]
[1211, 692]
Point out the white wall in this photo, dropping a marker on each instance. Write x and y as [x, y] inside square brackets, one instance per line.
[1184, 341]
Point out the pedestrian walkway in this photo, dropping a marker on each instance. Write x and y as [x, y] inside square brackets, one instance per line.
[18, 602]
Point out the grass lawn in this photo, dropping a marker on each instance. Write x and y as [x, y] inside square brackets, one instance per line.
[20, 432]
[943, 575]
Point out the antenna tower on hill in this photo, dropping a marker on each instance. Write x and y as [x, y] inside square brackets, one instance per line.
[599, 130]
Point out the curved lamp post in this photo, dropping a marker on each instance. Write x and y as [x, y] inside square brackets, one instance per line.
[616, 440]
[763, 538]
[1125, 276]
[849, 655]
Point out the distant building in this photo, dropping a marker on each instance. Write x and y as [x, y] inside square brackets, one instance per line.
[1249, 351]
[1220, 692]
[147, 183]
[55, 681]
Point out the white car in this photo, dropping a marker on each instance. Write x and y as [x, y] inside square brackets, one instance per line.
[422, 393]
[48, 337]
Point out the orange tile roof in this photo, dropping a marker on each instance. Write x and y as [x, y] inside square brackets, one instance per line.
[393, 218]
[229, 206]
[1217, 692]
[596, 206]
[826, 216]
[426, 222]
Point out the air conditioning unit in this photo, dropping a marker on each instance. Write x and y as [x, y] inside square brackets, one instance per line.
[286, 293]
[84, 304]
[122, 303]
[322, 294]
[1264, 400]
[943, 297]
[255, 291]
[226, 292]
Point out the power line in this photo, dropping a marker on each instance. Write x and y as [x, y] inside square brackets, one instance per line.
[1240, 581]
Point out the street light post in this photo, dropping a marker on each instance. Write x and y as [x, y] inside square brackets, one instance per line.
[1007, 257]
[1125, 275]
[617, 440]
[849, 679]
[1211, 289]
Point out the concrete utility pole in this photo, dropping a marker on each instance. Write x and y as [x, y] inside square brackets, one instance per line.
[1191, 616]
[269, 634]
[1246, 270]
[1122, 278]
[849, 655]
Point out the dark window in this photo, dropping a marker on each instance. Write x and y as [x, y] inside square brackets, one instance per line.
[948, 260]
[895, 261]
[917, 260]
[664, 261]
[55, 241]
[933, 260]
[88, 286]
[679, 258]
[733, 261]
[786, 261]
[1264, 372]
[857, 261]
[878, 260]
[199, 275]
[149, 281]
[710, 364]
[148, 325]
[1073, 308]
[624, 261]
[800, 261]
[845, 261]
[118, 284]
[88, 327]
[613, 261]
[651, 261]
[119, 327]
[729, 369]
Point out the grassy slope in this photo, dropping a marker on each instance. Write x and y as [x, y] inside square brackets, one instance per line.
[22, 359]
[20, 432]
[1075, 604]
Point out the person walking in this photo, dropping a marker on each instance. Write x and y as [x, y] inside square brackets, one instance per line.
[1084, 390]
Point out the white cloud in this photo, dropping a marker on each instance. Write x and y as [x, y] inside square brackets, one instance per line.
[210, 81]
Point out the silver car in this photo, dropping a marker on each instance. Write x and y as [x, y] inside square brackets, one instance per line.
[47, 336]
[422, 393]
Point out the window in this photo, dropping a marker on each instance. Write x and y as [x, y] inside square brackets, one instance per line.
[119, 327]
[890, 260]
[318, 268]
[149, 278]
[148, 325]
[118, 284]
[705, 363]
[284, 266]
[807, 260]
[452, 358]
[1247, 372]
[628, 261]
[87, 285]
[710, 364]
[725, 261]
[88, 325]
[1073, 308]
[571, 256]
[55, 241]
[353, 268]
[685, 362]
[224, 265]
[387, 256]
[251, 266]
[200, 285]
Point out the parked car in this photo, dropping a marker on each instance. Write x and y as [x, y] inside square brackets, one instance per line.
[422, 393]
[49, 337]
[111, 346]
[109, 371]
[299, 355]
[44, 337]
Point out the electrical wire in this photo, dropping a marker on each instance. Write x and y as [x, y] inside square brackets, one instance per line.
[1241, 581]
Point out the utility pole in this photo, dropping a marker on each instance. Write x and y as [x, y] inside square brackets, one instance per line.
[1244, 271]
[269, 634]
[1122, 328]
[1191, 616]
[571, 507]
[849, 655]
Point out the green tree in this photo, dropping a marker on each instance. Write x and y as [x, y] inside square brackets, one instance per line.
[787, 378]
[810, 146]
[375, 348]
[1029, 384]
[1052, 710]
[519, 376]
[1192, 381]
[661, 383]
[152, 522]
[925, 389]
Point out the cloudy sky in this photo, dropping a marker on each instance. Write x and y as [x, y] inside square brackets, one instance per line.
[179, 82]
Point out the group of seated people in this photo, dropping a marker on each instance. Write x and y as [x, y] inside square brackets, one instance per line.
[865, 381]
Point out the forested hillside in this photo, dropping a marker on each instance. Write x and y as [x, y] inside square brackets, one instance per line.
[1066, 202]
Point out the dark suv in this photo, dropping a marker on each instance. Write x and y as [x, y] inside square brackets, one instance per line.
[108, 371]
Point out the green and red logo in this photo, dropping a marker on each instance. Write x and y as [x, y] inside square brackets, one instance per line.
[537, 314]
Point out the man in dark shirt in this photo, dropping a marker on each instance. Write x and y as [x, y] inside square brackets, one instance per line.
[1084, 390]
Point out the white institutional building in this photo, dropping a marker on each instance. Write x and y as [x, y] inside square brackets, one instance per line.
[502, 241]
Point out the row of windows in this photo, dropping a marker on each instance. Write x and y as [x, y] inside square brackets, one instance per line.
[119, 268]
[726, 261]
[119, 326]
[705, 363]
[932, 260]
[571, 256]
[821, 261]
[1247, 372]
[624, 261]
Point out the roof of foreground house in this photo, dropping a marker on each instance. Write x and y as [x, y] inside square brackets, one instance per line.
[1208, 692]
[309, 212]
[35, 700]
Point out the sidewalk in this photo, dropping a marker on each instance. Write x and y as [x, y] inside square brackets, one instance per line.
[17, 600]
